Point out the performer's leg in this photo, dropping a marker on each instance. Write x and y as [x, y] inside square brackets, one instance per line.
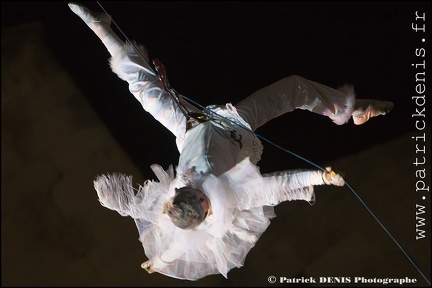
[295, 92]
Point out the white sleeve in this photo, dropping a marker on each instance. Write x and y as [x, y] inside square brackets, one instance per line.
[274, 188]
[291, 185]
[145, 85]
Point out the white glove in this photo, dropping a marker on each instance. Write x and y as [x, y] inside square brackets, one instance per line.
[331, 178]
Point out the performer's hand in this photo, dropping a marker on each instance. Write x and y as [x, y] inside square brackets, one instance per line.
[331, 178]
[147, 266]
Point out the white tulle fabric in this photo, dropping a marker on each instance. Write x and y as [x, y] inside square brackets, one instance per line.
[218, 244]
[240, 214]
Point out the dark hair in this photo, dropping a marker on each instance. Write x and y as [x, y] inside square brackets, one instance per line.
[186, 211]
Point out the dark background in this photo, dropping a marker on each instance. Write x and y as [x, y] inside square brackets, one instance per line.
[217, 52]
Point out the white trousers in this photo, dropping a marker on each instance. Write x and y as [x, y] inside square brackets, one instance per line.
[295, 92]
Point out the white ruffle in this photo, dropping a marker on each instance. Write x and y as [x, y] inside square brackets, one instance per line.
[241, 202]
[343, 107]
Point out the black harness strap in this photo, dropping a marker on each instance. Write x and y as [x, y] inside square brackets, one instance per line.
[162, 76]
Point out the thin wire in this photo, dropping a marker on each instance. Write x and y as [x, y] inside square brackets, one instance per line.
[385, 229]
[124, 35]
[285, 150]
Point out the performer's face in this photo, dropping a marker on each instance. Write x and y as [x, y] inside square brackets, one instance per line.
[205, 203]
[203, 200]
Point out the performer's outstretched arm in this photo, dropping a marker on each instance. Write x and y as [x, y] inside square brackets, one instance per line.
[273, 188]
[298, 184]
[130, 62]
[145, 85]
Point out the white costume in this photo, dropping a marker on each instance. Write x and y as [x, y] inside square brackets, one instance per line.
[213, 162]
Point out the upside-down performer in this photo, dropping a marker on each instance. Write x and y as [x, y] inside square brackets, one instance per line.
[204, 217]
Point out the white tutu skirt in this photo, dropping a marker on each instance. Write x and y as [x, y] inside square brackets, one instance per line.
[217, 245]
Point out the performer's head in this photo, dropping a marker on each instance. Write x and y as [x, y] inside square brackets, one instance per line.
[188, 208]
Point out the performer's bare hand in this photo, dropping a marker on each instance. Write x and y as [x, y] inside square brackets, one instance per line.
[148, 266]
[331, 178]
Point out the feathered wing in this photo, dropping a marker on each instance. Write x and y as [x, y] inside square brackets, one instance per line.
[344, 106]
[115, 192]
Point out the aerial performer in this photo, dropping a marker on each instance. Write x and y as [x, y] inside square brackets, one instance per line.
[205, 215]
